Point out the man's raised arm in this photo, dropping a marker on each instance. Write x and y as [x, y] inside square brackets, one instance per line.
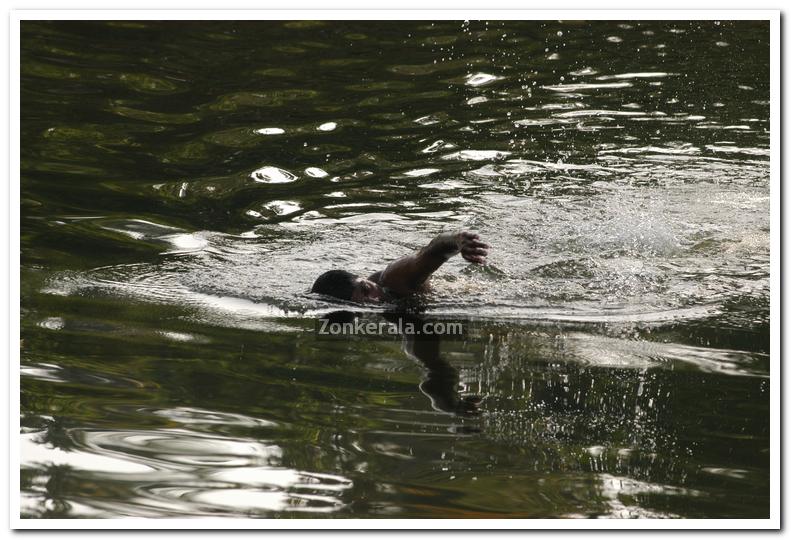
[408, 274]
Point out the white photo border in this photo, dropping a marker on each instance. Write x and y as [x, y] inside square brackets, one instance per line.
[15, 522]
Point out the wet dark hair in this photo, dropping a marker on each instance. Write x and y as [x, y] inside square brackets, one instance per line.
[337, 283]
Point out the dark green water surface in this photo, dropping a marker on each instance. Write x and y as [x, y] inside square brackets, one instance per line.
[183, 183]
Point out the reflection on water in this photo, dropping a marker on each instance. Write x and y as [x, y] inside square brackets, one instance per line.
[179, 472]
[184, 183]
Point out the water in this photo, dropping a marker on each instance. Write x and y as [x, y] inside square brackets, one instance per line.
[183, 184]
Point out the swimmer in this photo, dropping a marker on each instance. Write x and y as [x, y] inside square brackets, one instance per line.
[404, 276]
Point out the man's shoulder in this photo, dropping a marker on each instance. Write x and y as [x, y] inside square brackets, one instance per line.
[376, 277]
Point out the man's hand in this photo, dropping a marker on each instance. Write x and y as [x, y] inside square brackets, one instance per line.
[471, 247]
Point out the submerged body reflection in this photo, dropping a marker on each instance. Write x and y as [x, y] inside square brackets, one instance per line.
[441, 381]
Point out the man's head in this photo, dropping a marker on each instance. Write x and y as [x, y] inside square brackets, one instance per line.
[346, 286]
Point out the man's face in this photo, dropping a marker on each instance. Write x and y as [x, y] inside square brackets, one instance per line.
[366, 290]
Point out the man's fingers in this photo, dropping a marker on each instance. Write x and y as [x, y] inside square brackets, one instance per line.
[472, 248]
[468, 236]
[475, 245]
